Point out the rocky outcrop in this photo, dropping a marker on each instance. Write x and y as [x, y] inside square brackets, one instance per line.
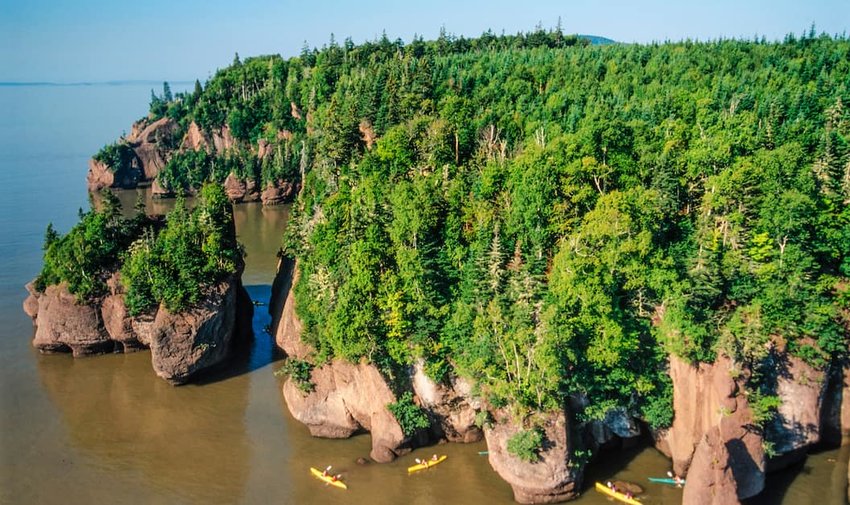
[451, 405]
[195, 139]
[553, 478]
[239, 190]
[347, 399]
[223, 140]
[151, 143]
[279, 192]
[63, 324]
[182, 345]
[710, 411]
[185, 343]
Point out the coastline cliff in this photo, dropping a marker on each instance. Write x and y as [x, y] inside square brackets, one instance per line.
[159, 152]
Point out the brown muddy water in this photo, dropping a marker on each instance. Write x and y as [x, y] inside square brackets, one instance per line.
[105, 429]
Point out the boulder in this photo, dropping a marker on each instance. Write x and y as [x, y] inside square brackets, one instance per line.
[553, 478]
[451, 404]
[62, 323]
[347, 399]
[279, 192]
[198, 338]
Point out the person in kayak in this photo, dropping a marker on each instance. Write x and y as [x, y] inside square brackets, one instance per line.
[326, 471]
[676, 479]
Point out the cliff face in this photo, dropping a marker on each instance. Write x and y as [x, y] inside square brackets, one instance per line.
[553, 478]
[153, 144]
[712, 440]
[181, 344]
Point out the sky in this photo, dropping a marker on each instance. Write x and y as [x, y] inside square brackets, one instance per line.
[176, 40]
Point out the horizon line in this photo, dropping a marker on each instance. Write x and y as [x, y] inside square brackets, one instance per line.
[117, 82]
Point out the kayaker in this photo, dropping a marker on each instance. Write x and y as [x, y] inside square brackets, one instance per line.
[676, 479]
[326, 471]
[434, 457]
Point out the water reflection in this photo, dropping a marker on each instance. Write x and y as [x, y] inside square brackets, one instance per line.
[129, 421]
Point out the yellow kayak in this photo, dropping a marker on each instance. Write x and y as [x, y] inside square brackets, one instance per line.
[602, 488]
[426, 464]
[328, 479]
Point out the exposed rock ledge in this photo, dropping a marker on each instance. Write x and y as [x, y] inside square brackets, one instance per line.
[181, 345]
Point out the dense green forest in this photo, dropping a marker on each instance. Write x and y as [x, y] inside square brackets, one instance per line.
[551, 218]
[169, 262]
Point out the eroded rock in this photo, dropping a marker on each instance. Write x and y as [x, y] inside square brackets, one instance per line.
[452, 405]
[198, 338]
[62, 323]
[553, 478]
[348, 398]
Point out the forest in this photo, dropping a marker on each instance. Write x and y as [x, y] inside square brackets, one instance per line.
[548, 217]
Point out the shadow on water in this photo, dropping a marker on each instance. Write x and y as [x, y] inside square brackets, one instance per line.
[254, 347]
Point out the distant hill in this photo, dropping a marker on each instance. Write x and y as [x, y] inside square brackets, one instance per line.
[596, 40]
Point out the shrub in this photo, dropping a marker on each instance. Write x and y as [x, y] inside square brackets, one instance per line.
[299, 371]
[526, 444]
[409, 415]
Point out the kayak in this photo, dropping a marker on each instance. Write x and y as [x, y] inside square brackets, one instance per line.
[328, 479]
[666, 480]
[602, 488]
[426, 464]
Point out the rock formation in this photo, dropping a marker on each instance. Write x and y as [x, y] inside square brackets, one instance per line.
[713, 419]
[797, 425]
[153, 143]
[346, 398]
[553, 478]
[181, 344]
[451, 405]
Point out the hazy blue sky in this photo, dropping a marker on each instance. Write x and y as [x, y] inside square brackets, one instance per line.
[92, 40]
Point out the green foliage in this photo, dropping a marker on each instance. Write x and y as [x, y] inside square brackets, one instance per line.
[526, 444]
[299, 371]
[409, 415]
[764, 407]
[195, 250]
[548, 218]
[86, 256]
[118, 157]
